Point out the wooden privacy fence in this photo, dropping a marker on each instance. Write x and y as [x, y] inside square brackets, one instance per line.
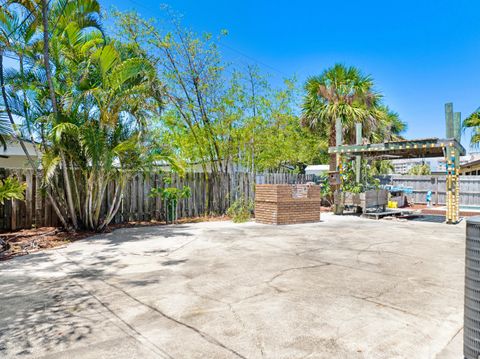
[137, 205]
[469, 188]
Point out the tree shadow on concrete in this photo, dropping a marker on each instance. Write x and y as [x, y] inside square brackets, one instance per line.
[43, 311]
[43, 314]
[124, 235]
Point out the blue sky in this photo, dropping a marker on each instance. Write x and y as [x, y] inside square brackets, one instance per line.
[421, 54]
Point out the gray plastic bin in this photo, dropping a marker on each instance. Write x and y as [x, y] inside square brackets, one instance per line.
[471, 333]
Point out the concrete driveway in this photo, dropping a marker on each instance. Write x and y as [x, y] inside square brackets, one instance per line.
[343, 288]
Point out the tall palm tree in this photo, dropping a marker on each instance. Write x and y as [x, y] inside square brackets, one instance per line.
[47, 20]
[107, 112]
[390, 128]
[343, 93]
[11, 25]
[473, 122]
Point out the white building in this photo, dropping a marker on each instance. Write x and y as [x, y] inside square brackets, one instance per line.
[437, 164]
[402, 166]
[14, 156]
[317, 170]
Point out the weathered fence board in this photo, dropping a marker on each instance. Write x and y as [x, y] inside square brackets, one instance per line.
[136, 203]
[469, 188]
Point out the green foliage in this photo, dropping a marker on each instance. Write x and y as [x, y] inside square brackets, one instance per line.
[171, 193]
[326, 191]
[381, 167]
[419, 170]
[111, 103]
[218, 116]
[367, 179]
[473, 122]
[347, 94]
[11, 188]
[171, 196]
[241, 210]
[96, 116]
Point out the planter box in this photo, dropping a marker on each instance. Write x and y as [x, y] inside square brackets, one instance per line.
[287, 204]
[369, 199]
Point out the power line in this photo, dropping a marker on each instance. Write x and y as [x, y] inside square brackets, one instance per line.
[21, 24]
[23, 21]
[59, 15]
[223, 45]
[26, 18]
[251, 58]
[11, 57]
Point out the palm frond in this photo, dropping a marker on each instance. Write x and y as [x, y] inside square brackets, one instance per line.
[50, 163]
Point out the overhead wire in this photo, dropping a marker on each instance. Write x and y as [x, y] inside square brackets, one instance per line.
[229, 47]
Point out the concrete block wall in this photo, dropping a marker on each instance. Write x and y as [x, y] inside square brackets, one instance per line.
[287, 204]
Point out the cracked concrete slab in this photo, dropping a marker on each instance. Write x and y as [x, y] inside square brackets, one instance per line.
[343, 288]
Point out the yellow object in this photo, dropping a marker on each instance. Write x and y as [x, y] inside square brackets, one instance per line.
[392, 204]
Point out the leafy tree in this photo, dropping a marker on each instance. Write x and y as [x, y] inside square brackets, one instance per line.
[215, 115]
[93, 125]
[367, 180]
[419, 170]
[171, 196]
[35, 25]
[381, 167]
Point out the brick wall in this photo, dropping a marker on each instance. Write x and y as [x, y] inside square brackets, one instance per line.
[287, 204]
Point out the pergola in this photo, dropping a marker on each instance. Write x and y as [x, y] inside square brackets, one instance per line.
[421, 148]
[449, 148]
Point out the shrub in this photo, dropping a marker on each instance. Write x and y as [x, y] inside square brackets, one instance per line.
[241, 210]
[171, 196]
[11, 188]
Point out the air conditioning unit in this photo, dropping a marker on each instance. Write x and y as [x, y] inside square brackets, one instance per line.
[471, 329]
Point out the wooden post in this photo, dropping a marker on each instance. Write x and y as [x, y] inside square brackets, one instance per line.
[338, 139]
[449, 120]
[456, 162]
[448, 187]
[457, 133]
[452, 165]
[338, 191]
[457, 123]
[358, 158]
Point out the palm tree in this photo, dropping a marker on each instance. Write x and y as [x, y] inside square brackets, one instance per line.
[473, 122]
[107, 112]
[10, 26]
[389, 128]
[343, 93]
[41, 22]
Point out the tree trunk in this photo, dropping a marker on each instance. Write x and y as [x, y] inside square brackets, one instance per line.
[46, 56]
[22, 144]
[48, 73]
[332, 142]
